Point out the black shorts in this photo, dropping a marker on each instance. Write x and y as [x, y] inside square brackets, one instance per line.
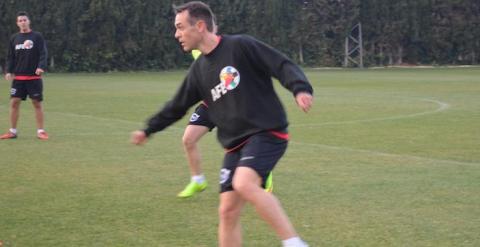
[200, 117]
[261, 152]
[32, 88]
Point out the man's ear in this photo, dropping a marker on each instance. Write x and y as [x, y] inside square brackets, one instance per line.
[201, 26]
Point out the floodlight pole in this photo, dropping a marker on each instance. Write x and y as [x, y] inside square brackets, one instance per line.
[354, 47]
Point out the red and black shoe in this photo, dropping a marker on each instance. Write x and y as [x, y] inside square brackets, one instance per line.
[42, 135]
[8, 135]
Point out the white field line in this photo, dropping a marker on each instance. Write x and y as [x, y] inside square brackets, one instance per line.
[442, 106]
[378, 153]
[105, 119]
[102, 118]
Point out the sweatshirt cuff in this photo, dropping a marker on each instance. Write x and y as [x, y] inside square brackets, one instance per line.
[302, 90]
[301, 86]
[148, 131]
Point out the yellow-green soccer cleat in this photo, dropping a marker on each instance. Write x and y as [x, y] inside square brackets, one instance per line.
[269, 183]
[192, 189]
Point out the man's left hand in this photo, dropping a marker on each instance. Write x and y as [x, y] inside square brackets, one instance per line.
[304, 100]
[39, 71]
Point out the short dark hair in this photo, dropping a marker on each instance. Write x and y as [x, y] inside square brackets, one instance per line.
[198, 11]
[22, 13]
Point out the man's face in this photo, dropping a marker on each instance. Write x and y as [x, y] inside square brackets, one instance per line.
[187, 34]
[23, 23]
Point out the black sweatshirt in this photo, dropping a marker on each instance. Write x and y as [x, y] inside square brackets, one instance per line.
[234, 80]
[26, 53]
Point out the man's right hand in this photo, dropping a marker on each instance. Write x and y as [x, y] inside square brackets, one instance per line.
[138, 137]
[8, 76]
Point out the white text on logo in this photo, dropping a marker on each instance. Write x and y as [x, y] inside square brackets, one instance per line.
[27, 45]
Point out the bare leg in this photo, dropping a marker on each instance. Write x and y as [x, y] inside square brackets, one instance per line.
[14, 111]
[247, 184]
[191, 136]
[229, 229]
[37, 105]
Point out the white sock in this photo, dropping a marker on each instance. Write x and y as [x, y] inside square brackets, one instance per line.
[199, 179]
[12, 130]
[294, 242]
[40, 131]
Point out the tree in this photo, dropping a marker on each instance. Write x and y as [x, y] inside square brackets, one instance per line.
[105, 35]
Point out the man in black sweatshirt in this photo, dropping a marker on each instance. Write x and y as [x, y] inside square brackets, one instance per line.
[233, 78]
[26, 61]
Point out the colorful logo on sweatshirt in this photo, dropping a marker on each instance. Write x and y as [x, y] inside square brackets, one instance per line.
[229, 80]
[27, 45]
[230, 77]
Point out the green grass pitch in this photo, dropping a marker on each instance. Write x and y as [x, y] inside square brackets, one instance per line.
[387, 157]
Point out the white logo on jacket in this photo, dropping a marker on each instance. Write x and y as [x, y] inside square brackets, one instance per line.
[27, 45]
[229, 80]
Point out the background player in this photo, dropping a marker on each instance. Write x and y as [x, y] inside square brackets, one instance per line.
[26, 62]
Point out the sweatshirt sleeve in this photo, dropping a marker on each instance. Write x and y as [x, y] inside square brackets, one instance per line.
[278, 65]
[187, 95]
[43, 53]
[10, 63]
